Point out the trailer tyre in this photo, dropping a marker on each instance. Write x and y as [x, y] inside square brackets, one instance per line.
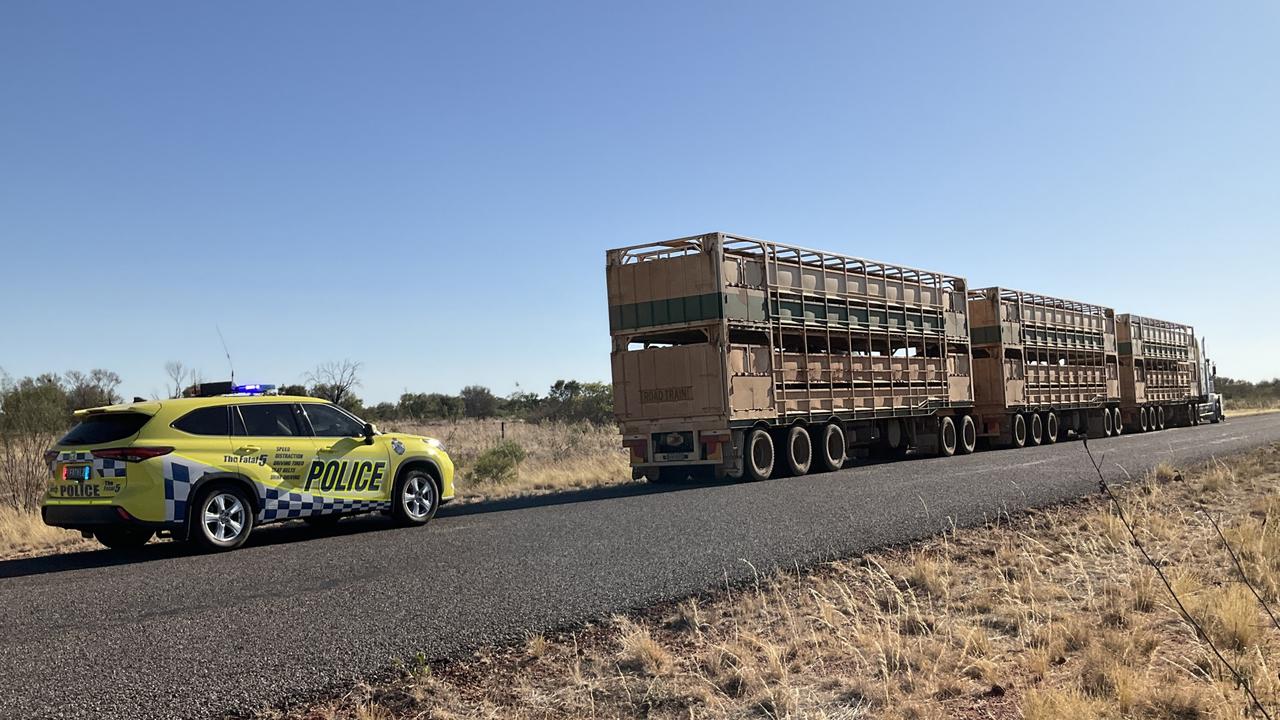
[1051, 428]
[1217, 413]
[946, 436]
[1019, 431]
[799, 451]
[1117, 422]
[1160, 418]
[1037, 429]
[759, 456]
[829, 442]
[1143, 420]
[968, 435]
[1108, 423]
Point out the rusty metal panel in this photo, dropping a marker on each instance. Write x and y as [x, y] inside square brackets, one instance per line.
[1042, 352]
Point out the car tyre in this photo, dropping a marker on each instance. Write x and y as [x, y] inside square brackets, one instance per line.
[968, 435]
[1018, 433]
[123, 538]
[947, 440]
[799, 451]
[1037, 429]
[415, 499]
[829, 442]
[759, 458]
[221, 518]
[1051, 428]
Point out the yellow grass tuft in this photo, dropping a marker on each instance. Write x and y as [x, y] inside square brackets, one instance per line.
[24, 533]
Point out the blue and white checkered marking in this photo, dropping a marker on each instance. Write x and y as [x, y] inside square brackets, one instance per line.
[180, 475]
[281, 505]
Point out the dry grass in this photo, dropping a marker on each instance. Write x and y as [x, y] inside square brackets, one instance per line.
[1051, 616]
[23, 534]
[560, 456]
[1233, 411]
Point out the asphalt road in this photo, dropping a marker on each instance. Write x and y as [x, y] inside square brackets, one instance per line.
[165, 635]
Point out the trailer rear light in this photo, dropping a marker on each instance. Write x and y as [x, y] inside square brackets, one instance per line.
[132, 454]
[639, 448]
[714, 443]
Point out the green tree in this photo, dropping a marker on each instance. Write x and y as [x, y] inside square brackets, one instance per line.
[93, 389]
[431, 406]
[574, 401]
[33, 413]
[479, 402]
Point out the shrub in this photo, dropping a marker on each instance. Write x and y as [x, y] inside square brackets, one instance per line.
[499, 463]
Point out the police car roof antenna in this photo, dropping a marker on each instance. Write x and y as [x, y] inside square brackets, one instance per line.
[228, 354]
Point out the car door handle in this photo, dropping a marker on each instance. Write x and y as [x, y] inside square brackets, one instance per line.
[325, 450]
[248, 450]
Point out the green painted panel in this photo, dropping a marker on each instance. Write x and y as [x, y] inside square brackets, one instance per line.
[987, 334]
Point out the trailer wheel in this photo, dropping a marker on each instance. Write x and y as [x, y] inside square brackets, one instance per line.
[1108, 423]
[968, 435]
[1217, 413]
[1019, 432]
[759, 456]
[1160, 418]
[1143, 417]
[831, 447]
[1050, 428]
[946, 436]
[1037, 429]
[799, 451]
[1117, 422]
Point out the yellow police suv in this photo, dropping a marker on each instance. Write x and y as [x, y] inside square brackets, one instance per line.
[210, 468]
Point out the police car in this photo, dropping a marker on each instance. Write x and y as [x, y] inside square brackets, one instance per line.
[211, 468]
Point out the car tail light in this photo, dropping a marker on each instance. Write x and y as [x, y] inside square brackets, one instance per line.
[132, 454]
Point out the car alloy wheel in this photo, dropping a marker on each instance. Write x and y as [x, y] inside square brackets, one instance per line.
[419, 497]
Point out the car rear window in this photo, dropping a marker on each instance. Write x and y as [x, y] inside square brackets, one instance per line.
[105, 427]
[205, 421]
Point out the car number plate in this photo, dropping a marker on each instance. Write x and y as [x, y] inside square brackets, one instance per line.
[77, 473]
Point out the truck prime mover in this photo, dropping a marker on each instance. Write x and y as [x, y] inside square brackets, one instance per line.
[743, 358]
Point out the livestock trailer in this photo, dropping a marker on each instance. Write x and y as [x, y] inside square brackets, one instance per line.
[730, 352]
[1043, 367]
[1164, 380]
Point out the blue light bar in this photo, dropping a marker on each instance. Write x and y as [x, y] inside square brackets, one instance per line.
[255, 389]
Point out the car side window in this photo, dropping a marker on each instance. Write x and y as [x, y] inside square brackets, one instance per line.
[204, 421]
[267, 420]
[329, 421]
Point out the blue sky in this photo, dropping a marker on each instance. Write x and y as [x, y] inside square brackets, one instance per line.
[429, 188]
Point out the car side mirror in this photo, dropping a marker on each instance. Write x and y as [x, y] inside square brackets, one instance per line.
[369, 432]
